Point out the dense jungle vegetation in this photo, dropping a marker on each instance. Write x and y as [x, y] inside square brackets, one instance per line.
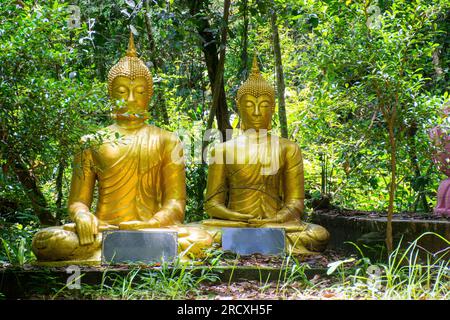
[359, 85]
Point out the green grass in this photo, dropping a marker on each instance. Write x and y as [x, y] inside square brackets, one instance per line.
[293, 272]
[408, 274]
[169, 281]
[15, 243]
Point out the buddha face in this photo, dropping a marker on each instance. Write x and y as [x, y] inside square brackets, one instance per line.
[133, 93]
[256, 113]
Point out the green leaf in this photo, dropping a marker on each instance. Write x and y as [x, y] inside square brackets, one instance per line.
[334, 265]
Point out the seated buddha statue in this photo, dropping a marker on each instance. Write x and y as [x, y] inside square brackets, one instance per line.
[139, 172]
[256, 179]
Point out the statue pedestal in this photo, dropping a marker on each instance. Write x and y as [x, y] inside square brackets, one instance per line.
[247, 241]
[443, 199]
[149, 246]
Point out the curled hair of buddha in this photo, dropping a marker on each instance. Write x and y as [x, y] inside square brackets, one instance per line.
[256, 85]
[130, 67]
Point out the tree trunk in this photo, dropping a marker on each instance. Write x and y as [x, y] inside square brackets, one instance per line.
[220, 66]
[157, 64]
[280, 76]
[59, 190]
[392, 187]
[38, 201]
[209, 48]
[243, 70]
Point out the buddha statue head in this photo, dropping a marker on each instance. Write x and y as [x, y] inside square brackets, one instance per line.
[256, 101]
[130, 82]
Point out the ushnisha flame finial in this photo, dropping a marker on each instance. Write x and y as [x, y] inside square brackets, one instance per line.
[255, 67]
[131, 52]
[256, 85]
[131, 67]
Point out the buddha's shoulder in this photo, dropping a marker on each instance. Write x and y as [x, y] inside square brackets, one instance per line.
[288, 144]
[290, 148]
[162, 134]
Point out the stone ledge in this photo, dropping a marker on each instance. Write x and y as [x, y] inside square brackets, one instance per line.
[16, 283]
[364, 230]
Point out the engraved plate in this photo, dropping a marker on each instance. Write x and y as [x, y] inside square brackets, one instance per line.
[139, 246]
[246, 241]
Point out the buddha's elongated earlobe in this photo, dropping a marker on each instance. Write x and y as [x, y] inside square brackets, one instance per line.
[273, 111]
[243, 128]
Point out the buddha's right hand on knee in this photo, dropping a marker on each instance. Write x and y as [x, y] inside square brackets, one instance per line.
[87, 226]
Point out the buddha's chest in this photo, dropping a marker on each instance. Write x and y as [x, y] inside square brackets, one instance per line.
[137, 150]
[254, 163]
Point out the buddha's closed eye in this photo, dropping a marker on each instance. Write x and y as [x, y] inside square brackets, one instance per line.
[121, 90]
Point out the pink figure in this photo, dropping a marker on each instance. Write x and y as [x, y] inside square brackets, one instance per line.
[441, 141]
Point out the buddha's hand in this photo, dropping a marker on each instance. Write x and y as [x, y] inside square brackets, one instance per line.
[137, 225]
[231, 215]
[240, 216]
[86, 225]
[280, 218]
[257, 222]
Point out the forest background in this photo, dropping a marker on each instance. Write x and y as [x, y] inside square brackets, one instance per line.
[359, 85]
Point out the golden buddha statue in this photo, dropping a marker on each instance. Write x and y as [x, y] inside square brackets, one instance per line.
[139, 170]
[256, 179]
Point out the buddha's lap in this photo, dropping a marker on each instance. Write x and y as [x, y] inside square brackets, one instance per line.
[293, 229]
[65, 236]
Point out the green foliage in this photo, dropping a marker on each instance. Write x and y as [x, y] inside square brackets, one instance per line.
[348, 72]
[15, 243]
[344, 63]
[49, 98]
[46, 90]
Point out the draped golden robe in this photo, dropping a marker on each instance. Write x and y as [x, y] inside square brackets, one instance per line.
[140, 175]
[265, 180]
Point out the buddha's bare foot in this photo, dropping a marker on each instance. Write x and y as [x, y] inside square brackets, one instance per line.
[300, 250]
[194, 242]
[311, 240]
[57, 244]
